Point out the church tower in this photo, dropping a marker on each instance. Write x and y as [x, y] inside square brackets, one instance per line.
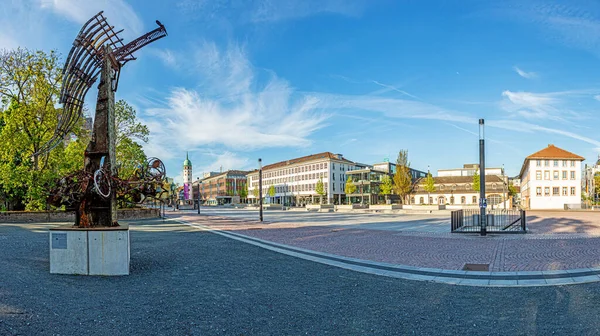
[187, 178]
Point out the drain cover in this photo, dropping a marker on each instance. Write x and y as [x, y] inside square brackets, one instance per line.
[477, 267]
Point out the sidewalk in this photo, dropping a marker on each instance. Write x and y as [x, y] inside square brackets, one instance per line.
[442, 251]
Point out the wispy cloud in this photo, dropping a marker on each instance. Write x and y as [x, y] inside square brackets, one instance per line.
[264, 11]
[574, 23]
[221, 162]
[393, 88]
[118, 12]
[232, 108]
[524, 74]
[558, 106]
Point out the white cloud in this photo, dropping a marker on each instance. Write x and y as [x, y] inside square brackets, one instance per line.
[260, 11]
[232, 108]
[560, 106]
[222, 162]
[117, 12]
[524, 74]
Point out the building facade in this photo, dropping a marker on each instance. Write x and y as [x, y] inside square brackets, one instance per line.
[187, 178]
[368, 182]
[551, 179]
[222, 188]
[469, 170]
[295, 181]
[459, 190]
[590, 178]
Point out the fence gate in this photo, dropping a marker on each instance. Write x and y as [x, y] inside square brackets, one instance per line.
[497, 221]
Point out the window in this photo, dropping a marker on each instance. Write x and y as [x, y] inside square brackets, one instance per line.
[572, 163]
[565, 191]
[564, 163]
[493, 185]
[546, 163]
[468, 186]
[341, 186]
[430, 200]
[555, 191]
[538, 191]
[546, 191]
[573, 191]
[546, 175]
[412, 200]
[333, 177]
[564, 174]
[341, 177]
[538, 163]
[451, 199]
[463, 200]
[333, 186]
[421, 201]
[333, 166]
[556, 173]
[474, 199]
[441, 187]
[555, 163]
[538, 175]
[572, 175]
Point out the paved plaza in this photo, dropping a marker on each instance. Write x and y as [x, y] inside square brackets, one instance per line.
[187, 281]
[557, 240]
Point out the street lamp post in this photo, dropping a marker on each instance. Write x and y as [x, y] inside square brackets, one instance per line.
[260, 201]
[198, 179]
[482, 200]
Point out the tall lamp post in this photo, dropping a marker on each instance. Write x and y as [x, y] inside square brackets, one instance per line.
[198, 179]
[482, 200]
[260, 202]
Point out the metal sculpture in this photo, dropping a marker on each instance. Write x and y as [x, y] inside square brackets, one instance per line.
[99, 51]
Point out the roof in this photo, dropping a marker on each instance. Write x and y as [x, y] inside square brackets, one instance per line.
[551, 153]
[229, 172]
[187, 161]
[308, 158]
[459, 179]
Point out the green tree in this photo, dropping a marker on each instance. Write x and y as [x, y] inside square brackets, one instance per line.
[349, 188]
[255, 192]
[476, 185]
[29, 91]
[387, 186]
[512, 190]
[320, 189]
[130, 153]
[429, 186]
[244, 191]
[403, 184]
[597, 184]
[271, 192]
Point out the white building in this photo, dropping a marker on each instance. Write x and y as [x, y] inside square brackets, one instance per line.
[187, 178]
[589, 182]
[295, 180]
[469, 170]
[551, 179]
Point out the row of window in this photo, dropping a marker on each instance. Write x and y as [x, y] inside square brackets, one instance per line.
[303, 177]
[303, 169]
[556, 191]
[538, 163]
[301, 187]
[463, 200]
[555, 174]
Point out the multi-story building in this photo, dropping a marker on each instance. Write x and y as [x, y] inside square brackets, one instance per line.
[589, 181]
[295, 181]
[551, 179]
[459, 190]
[222, 188]
[468, 170]
[368, 182]
[187, 178]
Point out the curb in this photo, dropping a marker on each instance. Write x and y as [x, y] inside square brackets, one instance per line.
[456, 277]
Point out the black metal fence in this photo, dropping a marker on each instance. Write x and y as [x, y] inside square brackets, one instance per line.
[496, 221]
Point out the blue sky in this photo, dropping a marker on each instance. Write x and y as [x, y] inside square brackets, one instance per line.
[238, 80]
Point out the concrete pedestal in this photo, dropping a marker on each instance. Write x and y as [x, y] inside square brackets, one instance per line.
[91, 251]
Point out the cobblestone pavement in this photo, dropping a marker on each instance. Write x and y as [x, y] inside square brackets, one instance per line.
[187, 282]
[558, 242]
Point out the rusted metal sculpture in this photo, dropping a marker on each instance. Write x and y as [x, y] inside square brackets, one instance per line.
[99, 51]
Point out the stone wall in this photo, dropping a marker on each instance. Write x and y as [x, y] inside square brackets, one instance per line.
[62, 216]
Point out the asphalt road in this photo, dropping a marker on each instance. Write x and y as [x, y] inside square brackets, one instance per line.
[187, 282]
